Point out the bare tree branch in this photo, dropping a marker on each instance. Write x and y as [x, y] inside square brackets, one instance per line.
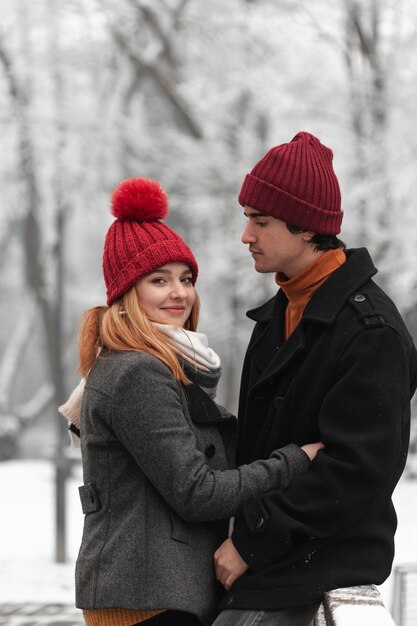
[154, 72]
[365, 40]
[151, 18]
[7, 65]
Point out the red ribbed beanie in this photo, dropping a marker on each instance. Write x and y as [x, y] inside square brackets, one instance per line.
[295, 182]
[138, 242]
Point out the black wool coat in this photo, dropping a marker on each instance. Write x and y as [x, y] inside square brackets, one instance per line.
[345, 376]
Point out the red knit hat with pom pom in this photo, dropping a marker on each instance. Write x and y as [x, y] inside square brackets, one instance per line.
[137, 242]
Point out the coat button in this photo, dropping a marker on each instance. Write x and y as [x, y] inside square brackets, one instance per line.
[259, 522]
[210, 450]
[277, 401]
[359, 297]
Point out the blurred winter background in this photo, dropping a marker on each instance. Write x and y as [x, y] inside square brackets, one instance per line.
[191, 93]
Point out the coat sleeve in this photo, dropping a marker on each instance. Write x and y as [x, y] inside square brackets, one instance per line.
[364, 424]
[148, 418]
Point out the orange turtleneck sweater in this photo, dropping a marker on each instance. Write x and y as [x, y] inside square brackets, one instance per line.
[300, 288]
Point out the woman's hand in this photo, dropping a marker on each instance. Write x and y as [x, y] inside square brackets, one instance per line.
[311, 449]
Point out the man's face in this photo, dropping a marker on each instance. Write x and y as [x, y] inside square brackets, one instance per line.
[273, 247]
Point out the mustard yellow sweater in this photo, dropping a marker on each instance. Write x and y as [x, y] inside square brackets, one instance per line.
[117, 617]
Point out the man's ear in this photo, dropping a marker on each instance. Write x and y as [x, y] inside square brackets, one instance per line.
[307, 236]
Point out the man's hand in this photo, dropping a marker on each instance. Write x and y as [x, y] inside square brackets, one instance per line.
[229, 564]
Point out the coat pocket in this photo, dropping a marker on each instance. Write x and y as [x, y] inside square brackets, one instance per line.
[89, 498]
[178, 530]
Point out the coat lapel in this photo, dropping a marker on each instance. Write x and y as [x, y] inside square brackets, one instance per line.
[284, 356]
[203, 409]
[270, 352]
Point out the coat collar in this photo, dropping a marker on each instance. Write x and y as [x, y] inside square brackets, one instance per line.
[329, 299]
[203, 410]
[323, 308]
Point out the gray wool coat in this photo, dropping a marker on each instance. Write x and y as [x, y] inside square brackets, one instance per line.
[157, 489]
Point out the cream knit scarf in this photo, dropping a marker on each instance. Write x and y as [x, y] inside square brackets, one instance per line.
[193, 346]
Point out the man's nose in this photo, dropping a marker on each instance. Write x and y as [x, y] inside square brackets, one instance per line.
[247, 235]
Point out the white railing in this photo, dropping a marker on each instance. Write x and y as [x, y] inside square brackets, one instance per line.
[404, 606]
[353, 606]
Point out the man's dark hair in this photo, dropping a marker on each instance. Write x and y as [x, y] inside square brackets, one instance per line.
[320, 242]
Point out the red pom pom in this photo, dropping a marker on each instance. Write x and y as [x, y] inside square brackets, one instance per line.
[139, 199]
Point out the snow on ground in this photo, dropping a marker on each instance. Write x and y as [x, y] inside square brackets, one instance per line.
[27, 535]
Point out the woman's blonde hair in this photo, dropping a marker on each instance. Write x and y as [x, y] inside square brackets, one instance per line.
[125, 326]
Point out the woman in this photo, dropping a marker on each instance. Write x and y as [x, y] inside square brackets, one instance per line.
[155, 447]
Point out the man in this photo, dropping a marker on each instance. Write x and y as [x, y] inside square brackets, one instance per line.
[330, 359]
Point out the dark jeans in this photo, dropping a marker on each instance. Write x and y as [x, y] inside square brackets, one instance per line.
[297, 616]
[171, 618]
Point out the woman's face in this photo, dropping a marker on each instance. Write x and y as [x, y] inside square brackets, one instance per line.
[168, 293]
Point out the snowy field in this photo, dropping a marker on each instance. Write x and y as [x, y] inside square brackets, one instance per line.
[27, 570]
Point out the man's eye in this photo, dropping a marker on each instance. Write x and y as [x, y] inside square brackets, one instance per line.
[261, 224]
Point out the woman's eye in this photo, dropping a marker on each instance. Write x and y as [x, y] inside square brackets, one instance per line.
[188, 280]
[158, 281]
